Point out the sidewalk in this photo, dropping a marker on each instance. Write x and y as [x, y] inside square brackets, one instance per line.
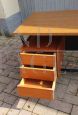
[66, 94]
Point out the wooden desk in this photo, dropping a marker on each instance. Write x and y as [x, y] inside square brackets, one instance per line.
[55, 23]
[41, 66]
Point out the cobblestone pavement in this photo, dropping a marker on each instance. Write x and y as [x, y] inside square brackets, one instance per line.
[66, 94]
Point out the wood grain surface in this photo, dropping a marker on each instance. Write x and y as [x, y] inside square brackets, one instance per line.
[33, 88]
[54, 22]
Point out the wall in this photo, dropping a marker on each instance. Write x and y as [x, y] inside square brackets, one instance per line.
[10, 16]
[45, 5]
[2, 14]
[10, 7]
[26, 8]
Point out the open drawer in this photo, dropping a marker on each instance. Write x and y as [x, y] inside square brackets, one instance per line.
[38, 59]
[38, 73]
[37, 88]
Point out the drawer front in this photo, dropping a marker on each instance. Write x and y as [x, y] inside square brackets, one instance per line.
[34, 89]
[38, 59]
[37, 73]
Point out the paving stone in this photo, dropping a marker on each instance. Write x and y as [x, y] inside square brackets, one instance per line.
[72, 64]
[63, 80]
[44, 102]
[11, 86]
[4, 59]
[12, 63]
[74, 76]
[1, 54]
[14, 92]
[12, 56]
[10, 99]
[74, 110]
[20, 102]
[75, 54]
[30, 104]
[5, 72]
[73, 87]
[1, 65]
[24, 112]
[71, 75]
[66, 74]
[4, 109]
[61, 113]
[60, 91]
[15, 109]
[34, 114]
[5, 67]
[1, 71]
[5, 80]
[44, 110]
[61, 106]
[13, 112]
[2, 86]
[14, 75]
[16, 70]
[71, 99]
[1, 103]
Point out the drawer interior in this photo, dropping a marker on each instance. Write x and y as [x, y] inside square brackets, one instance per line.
[38, 67]
[38, 53]
[38, 84]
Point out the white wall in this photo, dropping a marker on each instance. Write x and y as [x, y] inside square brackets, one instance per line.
[10, 7]
[2, 14]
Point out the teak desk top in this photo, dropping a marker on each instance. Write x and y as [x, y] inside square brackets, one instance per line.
[54, 22]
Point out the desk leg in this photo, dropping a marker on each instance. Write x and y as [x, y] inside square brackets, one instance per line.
[23, 40]
[60, 56]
